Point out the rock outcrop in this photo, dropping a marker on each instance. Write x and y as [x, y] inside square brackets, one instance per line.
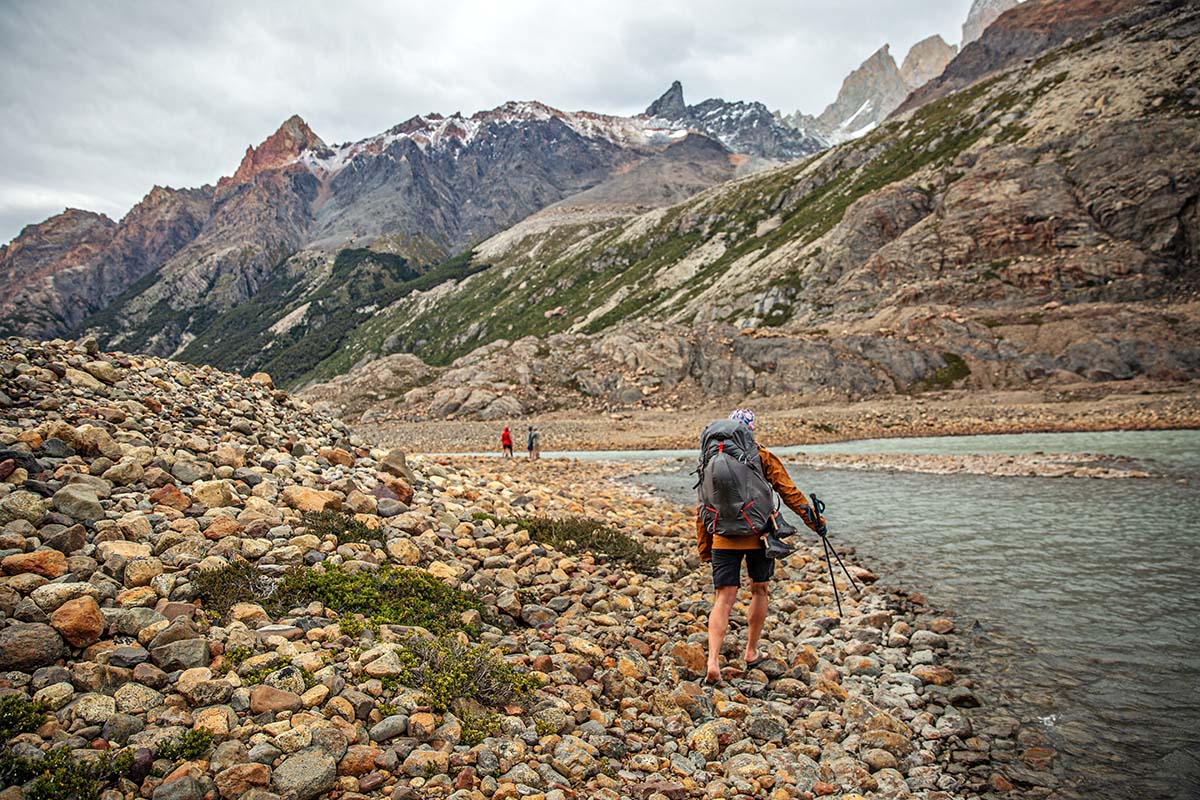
[925, 61]
[982, 14]
[42, 251]
[1024, 31]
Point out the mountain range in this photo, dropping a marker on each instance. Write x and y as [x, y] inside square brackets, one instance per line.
[973, 177]
[422, 191]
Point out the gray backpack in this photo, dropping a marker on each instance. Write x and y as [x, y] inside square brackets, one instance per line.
[734, 495]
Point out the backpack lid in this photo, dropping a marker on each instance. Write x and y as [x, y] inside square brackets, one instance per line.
[729, 436]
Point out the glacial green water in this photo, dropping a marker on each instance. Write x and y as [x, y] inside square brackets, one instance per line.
[1084, 594]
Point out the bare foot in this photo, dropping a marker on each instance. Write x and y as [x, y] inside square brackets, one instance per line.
[751, 655]
[714, 674]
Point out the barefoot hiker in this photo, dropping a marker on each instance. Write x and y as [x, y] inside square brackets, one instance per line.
[735, 514]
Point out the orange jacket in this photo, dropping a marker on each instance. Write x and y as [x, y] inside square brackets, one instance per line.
[779, 479]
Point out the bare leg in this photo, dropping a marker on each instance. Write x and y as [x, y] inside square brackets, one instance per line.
[718, 623]
[757, 616]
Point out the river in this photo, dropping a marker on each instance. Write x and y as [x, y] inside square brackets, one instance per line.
[1085, 594]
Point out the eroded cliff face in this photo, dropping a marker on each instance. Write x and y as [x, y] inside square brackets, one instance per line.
[30, 262]
[982, 14]
[925, 61]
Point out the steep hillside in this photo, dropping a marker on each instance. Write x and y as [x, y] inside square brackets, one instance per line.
[1021, 31]
[982, 14]
[1011, 225]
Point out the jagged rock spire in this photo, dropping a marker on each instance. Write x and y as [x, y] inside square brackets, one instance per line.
[670, 105]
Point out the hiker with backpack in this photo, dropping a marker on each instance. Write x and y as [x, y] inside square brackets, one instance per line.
[736, 520]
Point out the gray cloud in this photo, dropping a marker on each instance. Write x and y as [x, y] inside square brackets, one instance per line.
[103, 100]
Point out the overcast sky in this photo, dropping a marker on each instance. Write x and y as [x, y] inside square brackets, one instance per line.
[100, 101]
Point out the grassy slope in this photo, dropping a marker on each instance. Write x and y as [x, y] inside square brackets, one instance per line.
[360, 281]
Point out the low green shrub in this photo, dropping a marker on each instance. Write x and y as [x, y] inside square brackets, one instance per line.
[389, 596]
[351, 625]
[344, 527]
[221, 589]
[188, 746]
[234, 657]
[18, 714]
[574, 535]
[476, 728]
[58, 775]
[447, 669]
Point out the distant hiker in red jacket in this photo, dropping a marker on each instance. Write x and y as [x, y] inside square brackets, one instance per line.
[506, 442]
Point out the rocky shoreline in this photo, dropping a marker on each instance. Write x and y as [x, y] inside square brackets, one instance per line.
[160, 525]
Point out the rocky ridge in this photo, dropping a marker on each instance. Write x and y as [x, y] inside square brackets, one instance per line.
[874, 90]
[742, 127]
[1021, 30]
[127, 479]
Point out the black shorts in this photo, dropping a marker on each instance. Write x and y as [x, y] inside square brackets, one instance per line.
[727, 566]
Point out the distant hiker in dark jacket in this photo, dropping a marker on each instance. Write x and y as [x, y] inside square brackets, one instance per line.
[506, 442]
[530, 441]
[726, 554]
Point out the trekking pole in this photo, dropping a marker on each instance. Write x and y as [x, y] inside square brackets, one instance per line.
[828, 562]
[818, 509]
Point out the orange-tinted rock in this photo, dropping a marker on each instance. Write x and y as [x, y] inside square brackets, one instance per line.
[47, 563]
[931, 673]
[336, 455]
[221, 527]
[268, 698]
[1000, 783]
[171, 497]
[241, 778]
[401, 488]
[302, 498]
[359, 760]
[691, 656]
[78, 621]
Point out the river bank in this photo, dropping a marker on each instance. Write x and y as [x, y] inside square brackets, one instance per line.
[795, 421]
[206, 589]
